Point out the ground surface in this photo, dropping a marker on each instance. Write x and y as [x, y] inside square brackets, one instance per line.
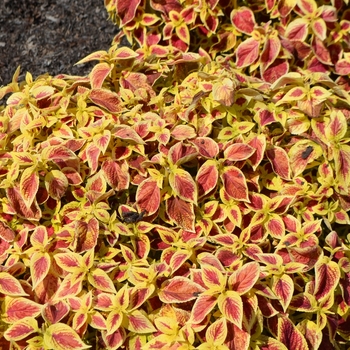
[51, 35]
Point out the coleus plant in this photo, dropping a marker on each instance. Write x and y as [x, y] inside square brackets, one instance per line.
[268, 39]
[183, 199]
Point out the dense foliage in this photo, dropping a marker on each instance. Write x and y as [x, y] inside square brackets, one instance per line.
[191, 193]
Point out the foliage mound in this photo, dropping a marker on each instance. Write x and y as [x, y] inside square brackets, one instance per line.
[191, 193]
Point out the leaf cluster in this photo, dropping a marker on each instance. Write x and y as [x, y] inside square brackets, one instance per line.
[175, 199]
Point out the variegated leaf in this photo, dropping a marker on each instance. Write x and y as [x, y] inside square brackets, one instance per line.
[231, 306]
[181, 213]
[17, 203]
[18, 308]
[202, 307]
[243, 280]
[342, 164]
[283, 287]
[39, 267]
[243, 19]
[183, 185]
[274, 226]
[99, 73]
[207, 147]
[247, 53]
[207, 177]
[6, 233]
[114, 320]
[213, 279]
[9, 285]
[115, 340]
[235, 183]
[68, 289]
[270, 52]
[101, 281]
[148, 196]
[223, 92]
[139, 323]
[289, 335]
[98, 321]
[327, 276]
[116, 174]
[238, 151]
[60, 336]
[70, 262]
[106, 99]
[217, 331]
[297, 30]
[56, 184]
[29, 185]
[54, 312]
[179, 290]
[21, 329]
[181, 153]
[86, 234]
[280, 162]
[258, 143]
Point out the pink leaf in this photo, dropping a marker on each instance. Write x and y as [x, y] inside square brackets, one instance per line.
[56, 184]
[247, 53]
[148, 196]
[183, 185]
[39, 267]
[342, 67]
[319, 28]
[21, 329]
[6, 233]
[327, 276]
[19, 308]
[244, 278]
[100, 280]
[140, 324]
[60, 336]
[283, 287]
[289, 335]
[270, 52]
[207, 147]
[98, 74]
[126, 10]
[179, 290]
[9, 285]
[54, 312]
[279, 161]
[106, 99]
[202, 307]
[243, 19]
[321, 51]
[223, 92]
[16, 201]
[217, 331]
[124, 53]
[308, 7]
[297, 30]
[277, 70]
[29, 185]
[116, 174]
[207, 177]
[238, 151]
[92, 155]
[181, 213]
[231, 306]
[235, 183]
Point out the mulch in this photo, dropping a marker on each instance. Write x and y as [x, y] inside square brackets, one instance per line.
[50, 36]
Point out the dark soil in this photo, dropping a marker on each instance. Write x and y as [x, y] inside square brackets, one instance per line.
[50, 36]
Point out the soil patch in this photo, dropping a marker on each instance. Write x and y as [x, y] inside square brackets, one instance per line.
[50, 36]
